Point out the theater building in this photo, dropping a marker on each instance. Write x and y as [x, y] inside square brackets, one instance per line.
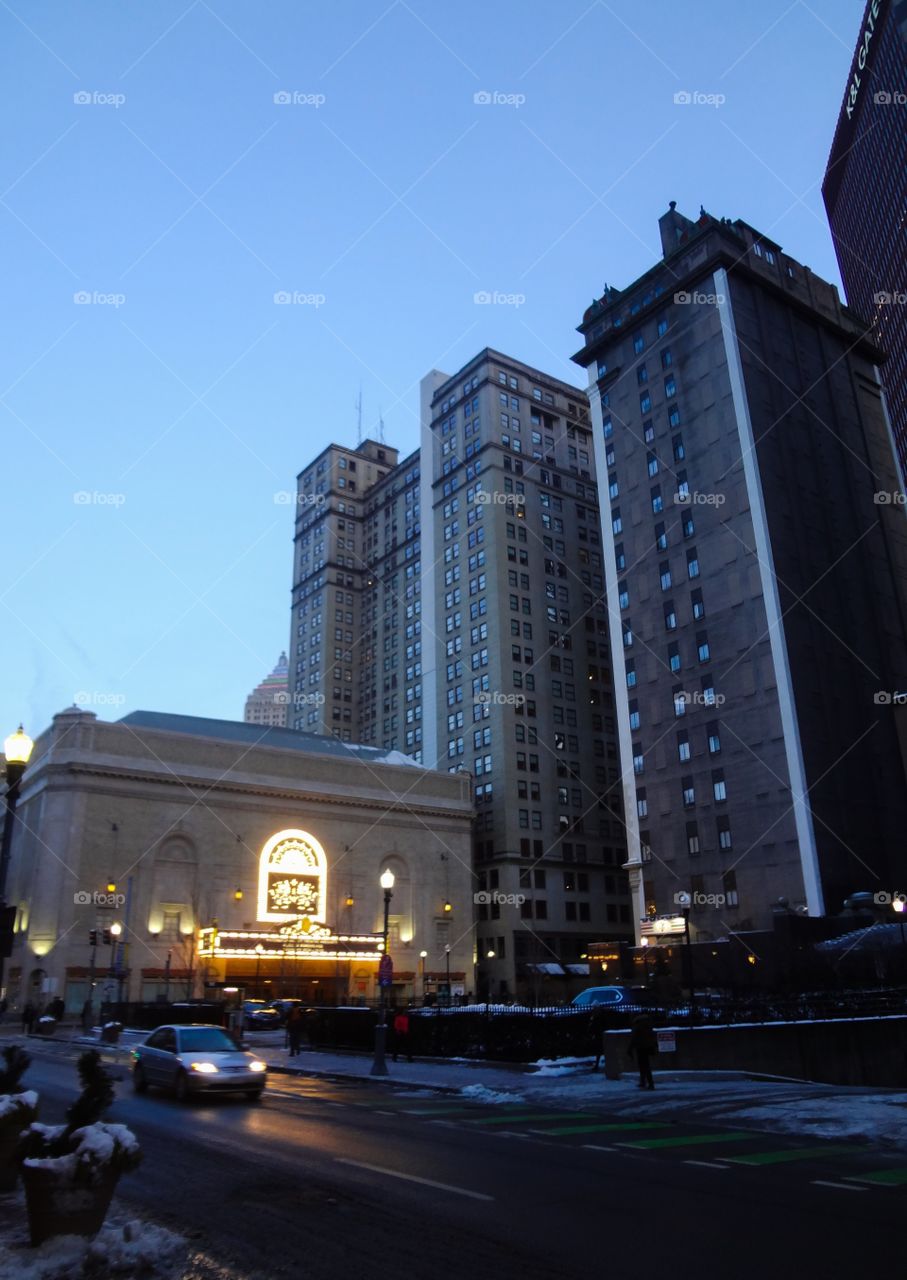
[168, 856]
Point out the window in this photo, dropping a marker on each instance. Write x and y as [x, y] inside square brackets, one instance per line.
[723, 825]
[628, 634]
[652, 464]
[692, 563]
[683, 745]
[616, 522]
[687, 524]
[642, 804]
[634, 715]
[674, 656]
[645, 403]
[702, 646]
[664, 570]
[688, 792]
[631, 675]
[719, 788]
[670, 617]
[662, 326]
[648, 431]
[661, 538]
[642, 375]
[677, 446]
[639, 343]
[666, 358]
[623, 594]
[680, 701]
[729, 884]
[692, 837]
[657, 500]
[620, 558]
[639, 760]
[670, 387]
[613, 486]
[697, 603]
[757, 250]
[714, 737]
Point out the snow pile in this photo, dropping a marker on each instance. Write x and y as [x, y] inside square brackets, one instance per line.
[880, 1118]
[131, 1249]
[479, 1093]
[10, 1103]
[97, 1146]
[561, 1066]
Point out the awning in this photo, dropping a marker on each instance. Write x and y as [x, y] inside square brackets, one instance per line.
[545, 968]
[581, 969]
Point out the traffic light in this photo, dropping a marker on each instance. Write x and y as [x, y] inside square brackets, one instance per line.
[107, 938]
[92, 937]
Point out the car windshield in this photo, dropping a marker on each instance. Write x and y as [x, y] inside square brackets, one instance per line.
[206, 1040]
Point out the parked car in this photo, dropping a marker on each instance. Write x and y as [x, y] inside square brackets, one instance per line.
[193, 1058]
[611, 997]
[260, 1014]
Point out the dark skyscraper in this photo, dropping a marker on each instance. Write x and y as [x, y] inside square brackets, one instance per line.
[865, 192]
[756, 570]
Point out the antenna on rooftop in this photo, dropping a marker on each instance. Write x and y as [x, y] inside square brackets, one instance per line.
[380, 427]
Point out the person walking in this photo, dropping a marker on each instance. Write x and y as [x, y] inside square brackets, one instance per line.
[401, 1036]
[29, 1013]
[643, 1043]
[295, 1025]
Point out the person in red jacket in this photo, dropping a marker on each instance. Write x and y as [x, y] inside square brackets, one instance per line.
[401, 1036]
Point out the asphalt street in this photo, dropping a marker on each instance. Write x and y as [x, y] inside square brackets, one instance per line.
[327, 1179]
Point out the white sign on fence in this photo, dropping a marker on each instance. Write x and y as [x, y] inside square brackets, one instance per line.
[667, 1041]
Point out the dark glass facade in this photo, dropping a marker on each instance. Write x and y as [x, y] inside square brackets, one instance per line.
[865, 193]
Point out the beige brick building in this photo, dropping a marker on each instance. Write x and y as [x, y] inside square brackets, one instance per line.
[235, 854]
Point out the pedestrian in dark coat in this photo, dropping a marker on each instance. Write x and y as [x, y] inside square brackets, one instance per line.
[29, 1013]
[643, 1043]
[295, 1026]
[401, 1036]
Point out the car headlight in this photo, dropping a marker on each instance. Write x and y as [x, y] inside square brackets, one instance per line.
[206, 1068]
[258, 1066]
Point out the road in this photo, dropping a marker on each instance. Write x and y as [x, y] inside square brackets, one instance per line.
[329, 1179]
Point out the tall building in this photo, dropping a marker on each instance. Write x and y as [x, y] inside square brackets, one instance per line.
[267, 703]
[757, 572]
[865, 193]
[451, 608]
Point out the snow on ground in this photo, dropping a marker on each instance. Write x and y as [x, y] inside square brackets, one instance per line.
[125, 1248]
[479, 1093]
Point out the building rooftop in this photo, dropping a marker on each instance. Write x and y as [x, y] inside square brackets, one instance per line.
[255, 735]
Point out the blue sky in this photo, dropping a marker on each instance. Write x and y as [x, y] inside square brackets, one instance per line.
[157, 197]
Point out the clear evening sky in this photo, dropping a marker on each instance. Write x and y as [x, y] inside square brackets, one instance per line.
[148, 168]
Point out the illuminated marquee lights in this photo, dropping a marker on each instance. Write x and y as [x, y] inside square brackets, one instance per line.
[292, 877]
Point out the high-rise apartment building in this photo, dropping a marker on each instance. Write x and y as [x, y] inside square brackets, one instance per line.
[757, 570]
[267, 703]
[450, 607]
[865, 193]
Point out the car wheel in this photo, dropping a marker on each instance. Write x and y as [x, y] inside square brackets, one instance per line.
[181, 1088]
[139, 1083]
[254, 1095]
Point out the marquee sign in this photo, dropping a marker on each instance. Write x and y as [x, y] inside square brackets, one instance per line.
[292, 878]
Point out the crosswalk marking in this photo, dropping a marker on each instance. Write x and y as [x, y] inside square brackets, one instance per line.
[530, 1115]
[597, 1128]
[796, 1153]
[881, 1177]
[691, 1140]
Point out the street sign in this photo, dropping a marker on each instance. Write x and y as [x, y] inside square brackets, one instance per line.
[667, 1041]
[385, 971]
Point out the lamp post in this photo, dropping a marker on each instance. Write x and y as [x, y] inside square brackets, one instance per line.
[899, 903]
[423, 956]
[447, 960]
[116, 930]
[17, 749]
[379, 1066]
[259, 951]
[685, 902]
[167, 976]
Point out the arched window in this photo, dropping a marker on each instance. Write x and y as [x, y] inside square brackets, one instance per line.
[292, 878]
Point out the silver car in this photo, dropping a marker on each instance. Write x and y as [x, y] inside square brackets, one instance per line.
[193, 1058]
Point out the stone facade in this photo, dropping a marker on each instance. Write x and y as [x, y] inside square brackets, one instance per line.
[157, 823]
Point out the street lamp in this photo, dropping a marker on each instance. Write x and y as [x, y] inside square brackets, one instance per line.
[116, 931]
[685, 901]
[379, 1066]
[259, 952]
[447, 959]
[237, 894]
[17, 748]
[899, 903]
[423, 956]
